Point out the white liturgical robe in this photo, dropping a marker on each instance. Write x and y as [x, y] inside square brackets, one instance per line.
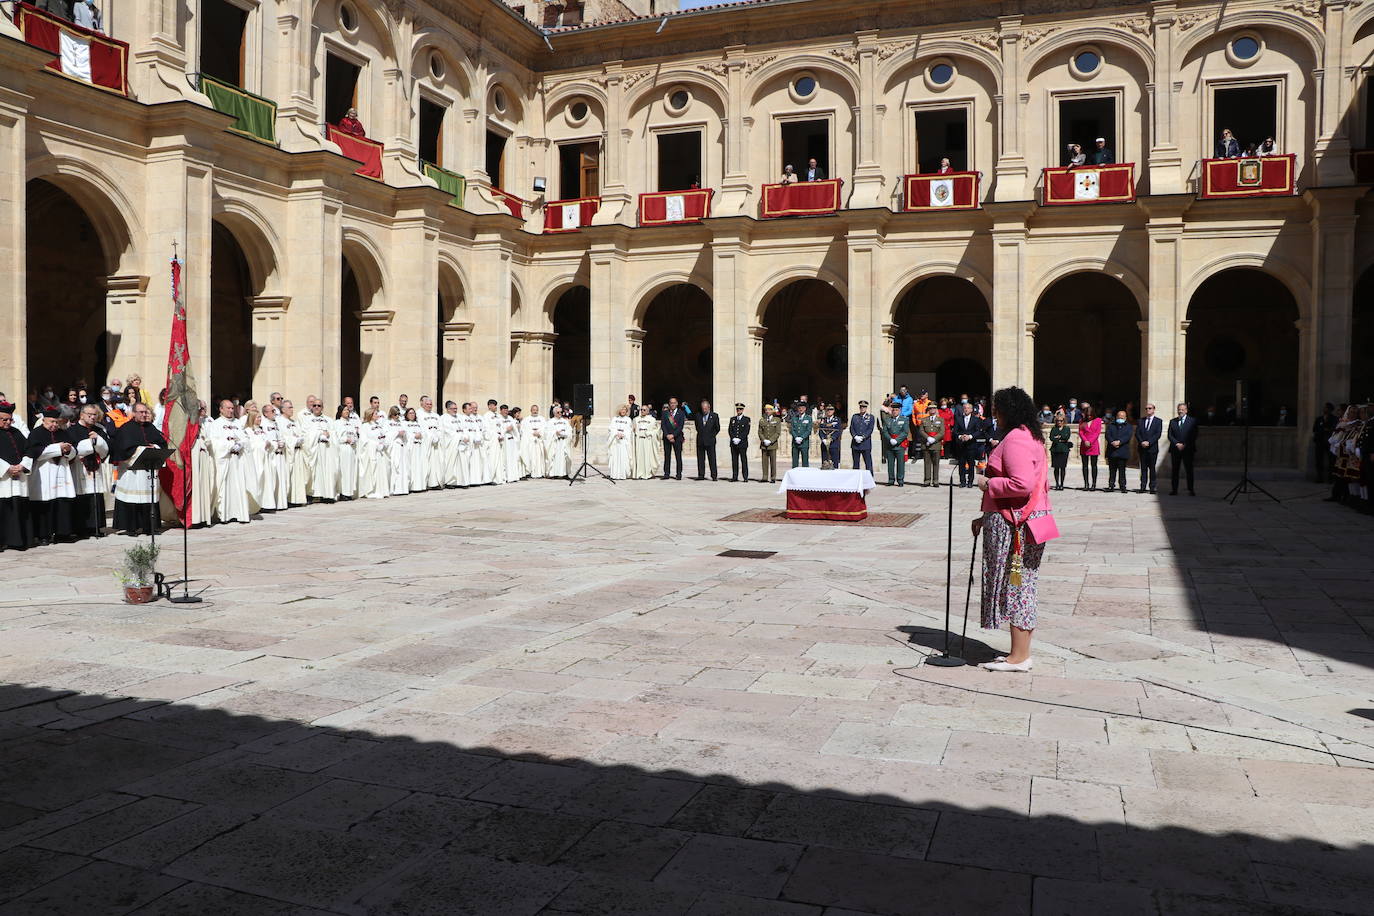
[619, 441]
[559, 447]
[532, 441]
[317, 433]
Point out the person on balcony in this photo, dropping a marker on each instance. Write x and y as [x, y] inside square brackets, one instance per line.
[813, 172]
[350, 124]
[1228, 147]
[1267, 148]
[1076, 156]
[1103, 154]
[86, 15]
[62, 8]
[945, 167]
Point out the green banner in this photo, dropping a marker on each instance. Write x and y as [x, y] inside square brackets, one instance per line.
[257, 116]
[451, 182]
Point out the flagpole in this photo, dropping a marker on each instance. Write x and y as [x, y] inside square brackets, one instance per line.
[185, 597]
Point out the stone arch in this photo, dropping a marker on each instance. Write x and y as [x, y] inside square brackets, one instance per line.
[805, 346]
[258, 239]
[677, 348]
[813, 62]
[362, 284]
[643, 297]
[455, 55]
[449, 346]
[941, 337]
[367, 262]
[377, 16]
[931, 269]
[110, 211]
[233, 360]
[1295, 26]
[1057, 45]
[1087, 339]
[769, 288]
[549, 295]
[1292, 278]
[889, 72]
[570, 317]
[576, 89]
[1090, 264]
[659, 81]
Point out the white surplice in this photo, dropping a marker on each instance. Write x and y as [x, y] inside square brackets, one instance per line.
[318, 435]
[234, 469]
[618, 448]
[558, 448]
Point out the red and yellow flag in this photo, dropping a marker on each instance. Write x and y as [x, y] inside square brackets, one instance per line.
[181, 411]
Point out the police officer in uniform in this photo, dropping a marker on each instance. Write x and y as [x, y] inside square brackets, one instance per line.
[770, 431]
[831, 428]
[738, 428]
[799, 427]
[861, 427]
[896, 435]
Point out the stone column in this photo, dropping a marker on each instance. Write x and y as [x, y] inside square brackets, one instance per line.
[868, 173]
[15, 58]
[865, 314]
[314, 233]
[1165, 163]
[540, 367]
[375, 333]
[754, 382]
[410, 363]
[489, 306]
[1011, 174]
[735, 189]
[1180, 371]
[126, 303]
[1325, 358]
[885, 367]
[269, 336]
[731, 315]
[1025, 374]
[298, 117]
[1012, 354]
[635, 367]
[1161, 372]
[609, 350]
[1333, 133]
[456, 382]
[615, 197]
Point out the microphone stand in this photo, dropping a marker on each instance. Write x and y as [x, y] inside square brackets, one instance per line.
[945, 660]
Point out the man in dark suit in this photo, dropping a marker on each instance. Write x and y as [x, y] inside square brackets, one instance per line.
[813, 172]
[1073, 414]
[674, 422]
[1102, 155]
[739, 445]
[708, 427]
[1148, 430]
[967, 430]
[1182, 447]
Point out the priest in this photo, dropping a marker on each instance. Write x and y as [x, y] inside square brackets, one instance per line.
[452, 425]
[135, 491]
[90, 471]
[277, 470]
[493, 465]
[532, 444]
[435, 436]
[235, 471]
[202, 473]
[317, 432]
[15, 529]
[559, 446]
[52, 487]
[297, 460]
[510, 446]
[475, 444]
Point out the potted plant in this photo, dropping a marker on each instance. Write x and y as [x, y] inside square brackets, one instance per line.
[137, 573]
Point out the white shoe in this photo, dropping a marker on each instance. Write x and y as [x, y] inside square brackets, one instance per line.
[1003, 665]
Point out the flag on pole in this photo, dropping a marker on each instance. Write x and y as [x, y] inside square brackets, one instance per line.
[181, 411]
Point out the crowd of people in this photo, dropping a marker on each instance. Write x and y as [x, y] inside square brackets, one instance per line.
[1343, 440]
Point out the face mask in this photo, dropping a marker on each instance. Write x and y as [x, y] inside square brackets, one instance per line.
[47, 393]
[1073, 403]
[963, 402]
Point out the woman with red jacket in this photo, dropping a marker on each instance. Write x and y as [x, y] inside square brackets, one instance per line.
[1016, 524]
[947, 417]
[1089, 443]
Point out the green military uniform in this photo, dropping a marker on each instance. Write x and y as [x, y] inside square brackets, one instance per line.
[830, 429]
[770, 431]
[799, 427]
[932, 427]
[896, 431]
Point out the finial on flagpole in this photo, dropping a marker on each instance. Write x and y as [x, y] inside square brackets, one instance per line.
[174, 249]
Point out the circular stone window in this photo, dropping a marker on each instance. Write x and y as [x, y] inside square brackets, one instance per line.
[348, 17]
[499, 100]
[1086, 62]
[437, 68]
[1244, 50]
[803, 87]
[679, 99]
[940, 75]
[578, 111]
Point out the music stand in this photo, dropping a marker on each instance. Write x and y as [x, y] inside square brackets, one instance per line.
[150, 458]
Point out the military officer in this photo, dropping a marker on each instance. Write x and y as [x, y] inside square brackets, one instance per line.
[770, 431]
[738, 428]
[799, 427]
[831, 427]
[861, 427]
[896, 431]
[932, 439]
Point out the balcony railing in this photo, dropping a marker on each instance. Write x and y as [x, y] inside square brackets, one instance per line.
[570, 215]
[1257, 176]
[450, 182]
[515, 205]
[255, 116]
[950, 191]
[1088, 184]
[81, 54]
[802, 198]
[664, 208]
[368, 153]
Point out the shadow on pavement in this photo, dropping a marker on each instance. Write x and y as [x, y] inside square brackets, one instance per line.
[112, 804]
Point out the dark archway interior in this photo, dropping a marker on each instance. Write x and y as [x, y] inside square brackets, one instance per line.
[677, 359]
[942, 327]
[231, 318]
[1242, 330]
[1362, 340]
[1087, 344]
[350, 334]
[572, 349]
[65, 263]
[805, 350]
[449, 299]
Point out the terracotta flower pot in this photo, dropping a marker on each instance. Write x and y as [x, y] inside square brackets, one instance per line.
[138, 594]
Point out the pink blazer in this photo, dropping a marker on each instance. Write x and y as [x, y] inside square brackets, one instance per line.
[1090, 437]
[1017, 477]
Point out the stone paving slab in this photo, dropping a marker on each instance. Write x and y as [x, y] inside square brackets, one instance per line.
[446, 704]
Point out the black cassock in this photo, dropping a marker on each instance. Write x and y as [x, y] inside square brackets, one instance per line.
[15, 528]
[134, 517]
[90, 507]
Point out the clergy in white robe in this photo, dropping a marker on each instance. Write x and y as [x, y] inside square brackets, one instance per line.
[417, 452]
[559, 447]
[374, 457]
[90, 471]
[297, 460]
[475, 440]
[435, 471]
[400, 453]
[52, 483]
[347, 433]
[278, 473]
[317, 431]
[451, 422]
[493, 465]
[619, 445]
[648, 446]
[532, 455]
[135, 490]
[235, 470]
[510, 446]
[16, 531]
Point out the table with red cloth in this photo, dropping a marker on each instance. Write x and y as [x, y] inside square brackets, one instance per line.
[835, 495]
[950, 191]
[802, 198]
[661, 208]
[1089, 184]
[1253, 176]
[570, 215]
[365, 151]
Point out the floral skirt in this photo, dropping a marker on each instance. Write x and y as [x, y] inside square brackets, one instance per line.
[1002, 601]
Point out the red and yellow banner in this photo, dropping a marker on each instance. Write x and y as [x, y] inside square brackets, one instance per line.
[804, 198]
[1257, 176]
[662, 208]
[181, 414]
[368, 152]
[570, 215]
[950, 191]
[1089, 184]
[514, 204]
[82, 54]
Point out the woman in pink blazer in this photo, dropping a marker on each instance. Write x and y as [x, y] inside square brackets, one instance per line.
[1015, 524]
[1089, 443]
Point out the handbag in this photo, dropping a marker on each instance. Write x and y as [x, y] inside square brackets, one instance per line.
[1042, 528]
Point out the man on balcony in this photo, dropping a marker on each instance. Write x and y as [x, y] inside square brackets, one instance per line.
[1103, 154]
[813, 172]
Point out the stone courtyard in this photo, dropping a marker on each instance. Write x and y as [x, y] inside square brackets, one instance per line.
[538, 699]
